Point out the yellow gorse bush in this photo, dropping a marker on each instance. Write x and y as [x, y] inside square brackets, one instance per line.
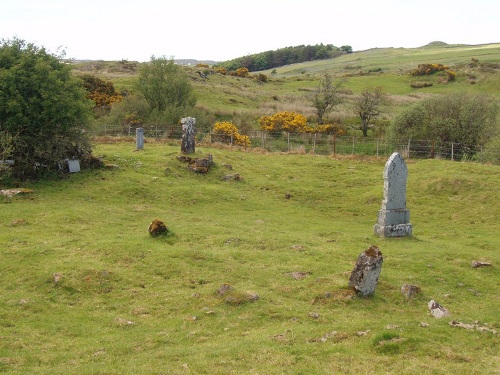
[284, 121]
[229, 132]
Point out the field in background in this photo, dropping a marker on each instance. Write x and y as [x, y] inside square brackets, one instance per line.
[244, 100]
[84, 288]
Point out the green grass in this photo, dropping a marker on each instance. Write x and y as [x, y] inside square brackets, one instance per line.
[128, 303]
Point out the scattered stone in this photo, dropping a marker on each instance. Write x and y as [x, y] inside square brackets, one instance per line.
[423, 324]
[297, 247]
[297, 275]
[477, 264]
[227, 166]
[288, 196]
[201, 165]
[286, 337]
[362, 333]
[157, 228]
[232, 177]
[392, 326]
[234, 297]
[123, 322]
[9, 193]
[23, 302]
[364, 277]
[325, 337]
[224, 289]
[410, 291]
[474, 326]
[393, 217]
[314, 315]
[437, 310]
[57, 277]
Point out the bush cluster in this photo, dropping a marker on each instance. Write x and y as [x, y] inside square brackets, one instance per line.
[227, 132]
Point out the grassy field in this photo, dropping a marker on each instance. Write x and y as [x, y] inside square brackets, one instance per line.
[85, 290]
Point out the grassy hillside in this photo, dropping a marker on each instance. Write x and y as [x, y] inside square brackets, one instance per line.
[245, 100]
[84, 288]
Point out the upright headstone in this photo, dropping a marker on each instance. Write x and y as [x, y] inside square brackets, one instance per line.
[139, 138]
[188, 133]
[394, 218]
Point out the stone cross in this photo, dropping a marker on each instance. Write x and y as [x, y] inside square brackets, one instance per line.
[394, 218]
[139, 138]
[188, 133]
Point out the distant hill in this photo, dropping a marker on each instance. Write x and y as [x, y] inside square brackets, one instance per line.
[193, 62]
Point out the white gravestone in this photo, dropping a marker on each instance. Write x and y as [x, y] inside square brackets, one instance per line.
[393, 217]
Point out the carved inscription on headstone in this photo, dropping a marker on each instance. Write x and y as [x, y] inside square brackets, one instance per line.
[393, 217]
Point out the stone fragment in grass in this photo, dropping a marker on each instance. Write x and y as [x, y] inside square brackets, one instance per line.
[234, 297]
[157, 228]
[232, 177]
[477, 264]
[297, 275]
[410, 291]
[437, 310]
[364, 277]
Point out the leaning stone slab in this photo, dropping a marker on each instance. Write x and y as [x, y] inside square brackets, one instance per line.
[364, 277]
[394, 217]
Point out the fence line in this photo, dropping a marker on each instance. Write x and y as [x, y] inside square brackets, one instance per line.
[317, 143]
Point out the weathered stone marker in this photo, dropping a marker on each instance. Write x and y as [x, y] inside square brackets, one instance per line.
[188, 133]
[364, 277]
[394, 218]
[139, 138]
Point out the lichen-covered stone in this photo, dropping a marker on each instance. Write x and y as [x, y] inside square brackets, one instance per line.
[364, 277]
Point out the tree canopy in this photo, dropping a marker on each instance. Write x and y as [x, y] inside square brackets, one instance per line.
[44, 114]
[462, 118]
[166, 88]
[285, 56]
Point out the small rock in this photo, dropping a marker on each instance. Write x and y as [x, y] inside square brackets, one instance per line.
[392, 326]
[437, 310]
[57, 277]
[410, 291]
[423, 324]
[297, 275]
[314, 315]
[362, 333]
[224, 289]
[477, 264]
[157, 228]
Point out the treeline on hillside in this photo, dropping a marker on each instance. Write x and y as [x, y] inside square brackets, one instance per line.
[285, 56]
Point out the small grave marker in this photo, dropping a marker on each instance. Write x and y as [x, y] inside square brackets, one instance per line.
[139, 138]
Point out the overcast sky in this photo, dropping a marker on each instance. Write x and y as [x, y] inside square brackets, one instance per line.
[225, 29]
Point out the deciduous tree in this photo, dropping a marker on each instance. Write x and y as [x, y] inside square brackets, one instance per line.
[327, 96]
[367, 107]
[44, 115]
[166, 88]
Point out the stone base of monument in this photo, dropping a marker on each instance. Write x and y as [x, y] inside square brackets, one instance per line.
[398, 230]
[393, 223]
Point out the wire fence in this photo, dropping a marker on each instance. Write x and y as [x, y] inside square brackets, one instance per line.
[317, 143]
